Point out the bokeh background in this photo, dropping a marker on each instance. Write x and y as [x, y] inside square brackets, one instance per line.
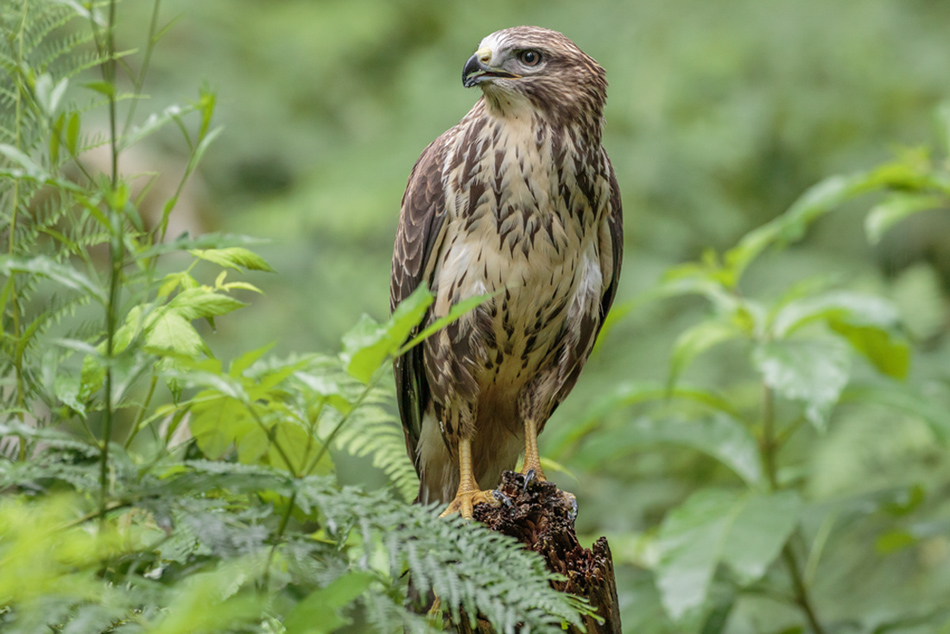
[719, 115]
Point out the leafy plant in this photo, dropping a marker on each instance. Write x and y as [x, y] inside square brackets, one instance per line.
[754, 531]
[147, 485]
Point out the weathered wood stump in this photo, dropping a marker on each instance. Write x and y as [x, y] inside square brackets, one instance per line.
[542, 517]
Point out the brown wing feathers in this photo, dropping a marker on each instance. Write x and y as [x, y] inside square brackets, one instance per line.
[420, 224]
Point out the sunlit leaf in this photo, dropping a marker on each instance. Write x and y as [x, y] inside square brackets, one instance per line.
[199, 303]
[889, 354]
[234, 258]
[858, 309]
[368, 344]
[813, 371]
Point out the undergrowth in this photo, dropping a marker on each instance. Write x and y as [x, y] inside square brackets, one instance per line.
[147, 485]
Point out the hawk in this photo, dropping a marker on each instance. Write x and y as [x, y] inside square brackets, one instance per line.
[518, 201]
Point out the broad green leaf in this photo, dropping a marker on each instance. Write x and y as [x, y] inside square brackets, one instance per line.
[889, 354]
[233, 258]
[813, 371]
[297, 446]
[171, 331]
[454, 313]
[367, 345]
[867, 322]
[744, 531]
[719, 436]
[218, 422]
[198, 303]
[859, 309]
[319, 612]
[895, 208]
[697, 340]
[246, 360]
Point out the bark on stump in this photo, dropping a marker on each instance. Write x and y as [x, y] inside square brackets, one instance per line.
[542, 518]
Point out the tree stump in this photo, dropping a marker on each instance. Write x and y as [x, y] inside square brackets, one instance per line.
[542, 518]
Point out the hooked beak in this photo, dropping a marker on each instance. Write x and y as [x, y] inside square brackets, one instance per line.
[477, 70]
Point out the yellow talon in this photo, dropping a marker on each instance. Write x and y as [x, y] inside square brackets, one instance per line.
[468, 494]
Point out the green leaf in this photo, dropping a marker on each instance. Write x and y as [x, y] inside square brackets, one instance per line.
[867, 322]
[154, 122]
[859, 309]
[889, 354]
[198, 303]
[61, 273]
[744, 531]
[367, 345]
[719, 436]
[696, 340]
[72, 134]
[895, 208]
[813, 371]
[455, 312]
[31, 169]
[233, 258]
[319, 612]
[102, 87]
[791, 225]
[218, 422]
[246, 360]
[171, 331]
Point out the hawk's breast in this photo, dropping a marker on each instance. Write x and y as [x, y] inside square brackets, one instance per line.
[520, 230]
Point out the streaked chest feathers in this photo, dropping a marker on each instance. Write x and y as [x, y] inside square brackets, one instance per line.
[523, 215]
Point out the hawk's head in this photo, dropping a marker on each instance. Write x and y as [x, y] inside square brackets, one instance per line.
[527, 66]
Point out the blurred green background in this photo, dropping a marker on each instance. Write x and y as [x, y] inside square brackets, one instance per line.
[719, 115]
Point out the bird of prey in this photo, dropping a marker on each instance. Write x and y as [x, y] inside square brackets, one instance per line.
[518, 201]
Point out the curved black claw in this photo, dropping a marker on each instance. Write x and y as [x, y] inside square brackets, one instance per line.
[528, 479]
[501, 497]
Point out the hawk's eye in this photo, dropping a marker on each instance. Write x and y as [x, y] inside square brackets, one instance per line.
[530, 58]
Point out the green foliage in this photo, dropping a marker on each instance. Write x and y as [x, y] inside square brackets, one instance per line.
[801, 348]
[147, 485]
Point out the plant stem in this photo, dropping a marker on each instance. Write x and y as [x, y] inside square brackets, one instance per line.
[116, 256]
[768, 446]
[802, 597]
[144, 408]
[14, 301]
[284, 520]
